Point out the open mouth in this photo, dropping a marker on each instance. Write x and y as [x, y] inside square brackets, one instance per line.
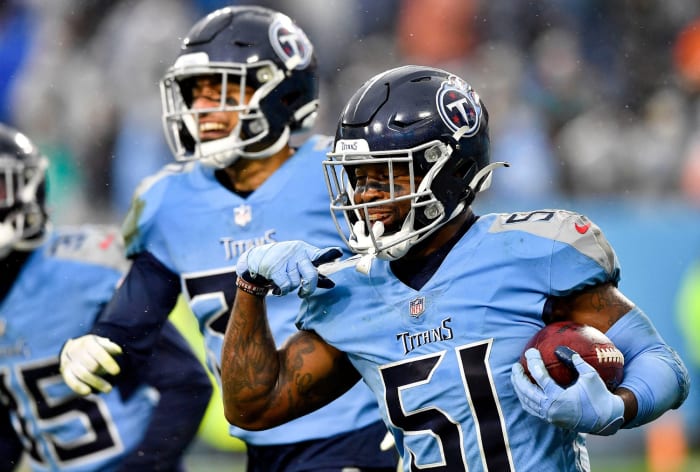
[212, 129]
[378, 217]
[379, 214]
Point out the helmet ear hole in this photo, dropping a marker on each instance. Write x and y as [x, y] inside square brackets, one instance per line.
[290, 98]
[434, 210]
[254, 127]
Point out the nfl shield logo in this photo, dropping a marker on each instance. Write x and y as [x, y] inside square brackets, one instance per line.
[242, 215]
[417, 306]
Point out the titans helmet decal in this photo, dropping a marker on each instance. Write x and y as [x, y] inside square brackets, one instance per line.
[459, 106]
[290, 43]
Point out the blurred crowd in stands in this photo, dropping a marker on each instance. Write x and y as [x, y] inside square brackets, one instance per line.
[586, 97]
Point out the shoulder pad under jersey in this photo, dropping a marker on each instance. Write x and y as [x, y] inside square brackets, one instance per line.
[90, 244]
[563, 226]
[148, 192]
[168, 169]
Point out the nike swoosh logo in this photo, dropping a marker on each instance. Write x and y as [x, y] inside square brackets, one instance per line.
[582, 228]
[107, 241]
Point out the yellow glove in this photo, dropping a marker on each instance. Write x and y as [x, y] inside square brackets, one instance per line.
[85, 359]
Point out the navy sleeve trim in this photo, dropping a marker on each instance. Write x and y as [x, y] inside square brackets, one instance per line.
[139, 308]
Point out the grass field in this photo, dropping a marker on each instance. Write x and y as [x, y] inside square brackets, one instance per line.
[203, 459]
[639, 464]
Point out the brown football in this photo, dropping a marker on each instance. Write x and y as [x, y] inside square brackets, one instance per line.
[593, 345]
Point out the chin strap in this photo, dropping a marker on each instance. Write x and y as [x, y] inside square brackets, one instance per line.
[361, 262]
[306, 115]
[35, 241]
[270, 150]
[363, 241]
[11, 237]
[212, 157]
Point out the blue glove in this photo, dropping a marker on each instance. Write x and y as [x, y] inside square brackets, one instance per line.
[284, 266]
[587, 406]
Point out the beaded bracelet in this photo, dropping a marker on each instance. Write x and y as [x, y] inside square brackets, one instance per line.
[250, 288]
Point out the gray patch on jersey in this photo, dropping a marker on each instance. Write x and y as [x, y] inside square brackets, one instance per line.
[564, 226]
[91, 244]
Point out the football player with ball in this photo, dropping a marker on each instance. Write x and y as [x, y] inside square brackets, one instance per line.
[441, 302]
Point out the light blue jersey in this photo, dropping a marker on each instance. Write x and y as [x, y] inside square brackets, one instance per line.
[439, 359]
[197, 228]
[61, 288]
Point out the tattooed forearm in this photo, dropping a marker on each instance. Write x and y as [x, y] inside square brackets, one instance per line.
[249, 361]
[600, 306]
[263, 386]
[253, 355]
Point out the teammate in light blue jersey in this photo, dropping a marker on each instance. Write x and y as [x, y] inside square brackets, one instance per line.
[53, 284]
[441, 302]
[244, 80]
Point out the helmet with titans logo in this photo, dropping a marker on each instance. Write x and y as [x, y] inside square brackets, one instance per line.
[428, 119]
[252, 47]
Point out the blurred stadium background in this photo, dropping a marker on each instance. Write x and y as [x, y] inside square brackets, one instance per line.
[595, 103]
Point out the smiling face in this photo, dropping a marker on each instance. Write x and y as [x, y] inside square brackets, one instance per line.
[206, 94]
[377, 183]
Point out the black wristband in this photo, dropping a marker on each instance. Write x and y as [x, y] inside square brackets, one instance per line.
[251, 288]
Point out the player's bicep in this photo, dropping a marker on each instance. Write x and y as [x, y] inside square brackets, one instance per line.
[314, 373]
[599, 306]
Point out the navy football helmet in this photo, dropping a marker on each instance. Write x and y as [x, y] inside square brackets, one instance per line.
[252, 47]
[23, 218]
[427, 119]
